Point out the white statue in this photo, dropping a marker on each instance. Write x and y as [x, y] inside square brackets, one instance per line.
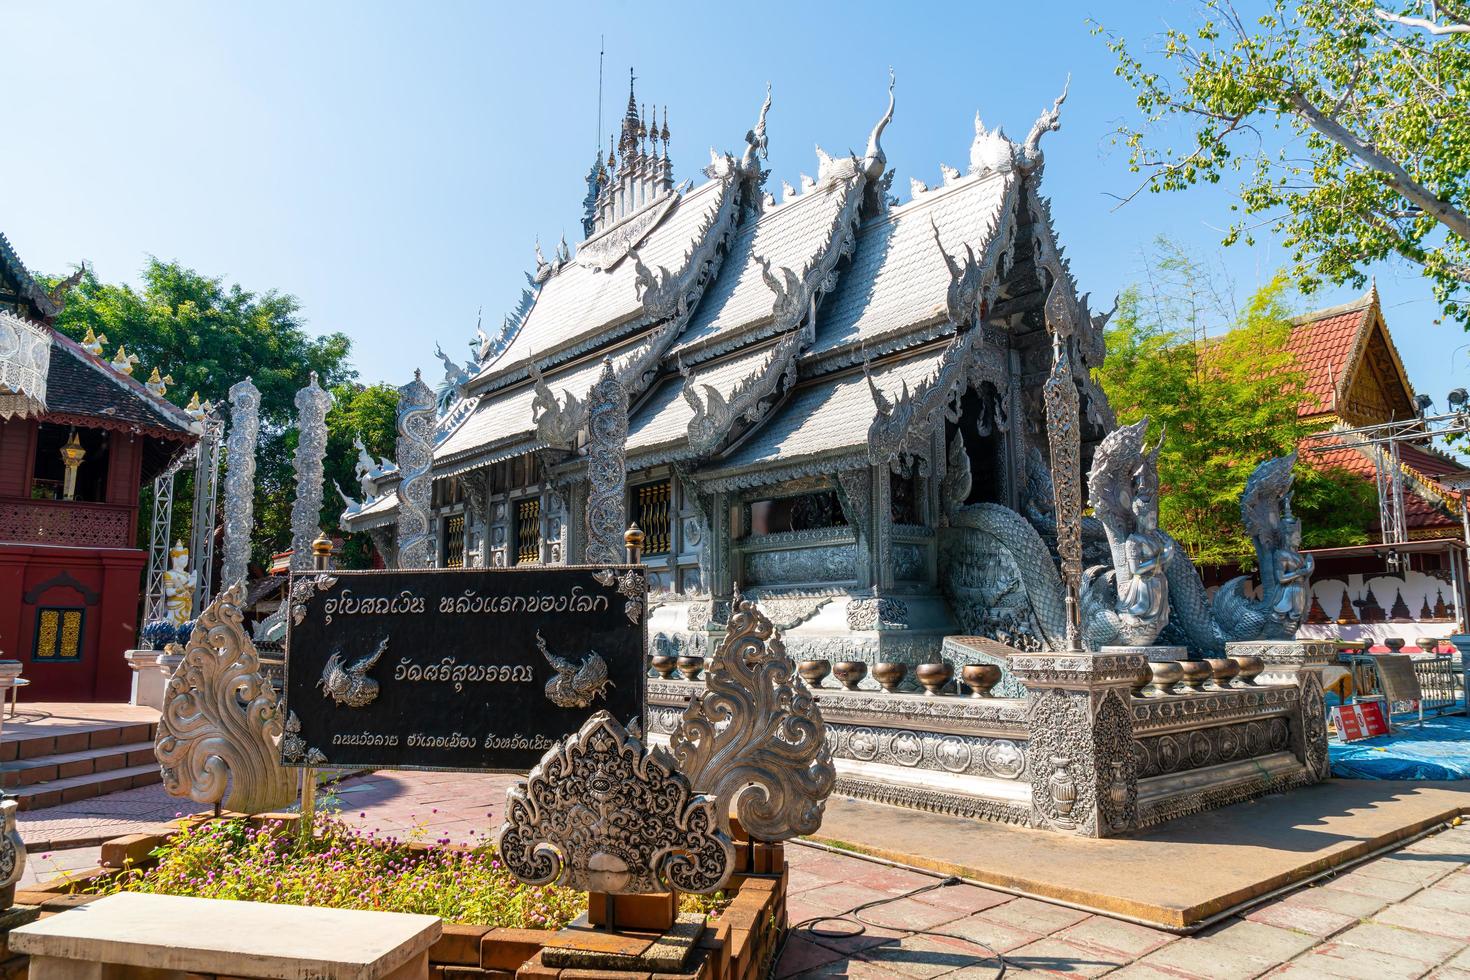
[178, 586]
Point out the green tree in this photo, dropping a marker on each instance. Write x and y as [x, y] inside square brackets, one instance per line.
[208, 335]
[1347, 124]
[369, 413]
[1225, 388]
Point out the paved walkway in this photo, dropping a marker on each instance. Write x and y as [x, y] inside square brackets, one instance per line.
[1406, 914]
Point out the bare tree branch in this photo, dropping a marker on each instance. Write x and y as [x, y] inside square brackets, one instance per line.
[1424, 23]
[1399, 179]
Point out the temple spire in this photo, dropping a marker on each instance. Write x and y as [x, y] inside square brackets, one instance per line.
[637, 171]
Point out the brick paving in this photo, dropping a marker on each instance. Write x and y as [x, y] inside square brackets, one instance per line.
[1405, 914]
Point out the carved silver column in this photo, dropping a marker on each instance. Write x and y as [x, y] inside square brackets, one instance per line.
[1079, 752]
[312, 404]
[240, 481]
[607, 469]
[1065, 440]
[415, 458]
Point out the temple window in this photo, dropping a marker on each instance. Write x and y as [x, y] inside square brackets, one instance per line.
[453, 538]
[528, 531]
[651, 507]
[58, 634]
[800, 513]
[903, 496]
[55, 444]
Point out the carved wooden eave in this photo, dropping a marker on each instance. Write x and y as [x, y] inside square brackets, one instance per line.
[1086, 338]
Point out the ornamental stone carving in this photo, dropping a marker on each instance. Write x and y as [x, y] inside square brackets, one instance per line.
[312, 404]
[415, 451]
[221, 724]
[755, 739]
[240, 480]
[877, 612]
[12, 852]
[607, 469]
[601, 813]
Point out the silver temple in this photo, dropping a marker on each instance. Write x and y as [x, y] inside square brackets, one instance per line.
[878, 419]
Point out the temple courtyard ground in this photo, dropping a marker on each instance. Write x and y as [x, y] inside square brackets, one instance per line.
[1403, 914]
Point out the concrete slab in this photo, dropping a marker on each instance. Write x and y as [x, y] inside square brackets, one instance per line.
[200, 935]
[1173, 876]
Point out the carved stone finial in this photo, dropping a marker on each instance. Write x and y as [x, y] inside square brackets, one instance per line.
[602, 813]
[219, 732]
[1028, 154]
[239, 503]
[415, 452]
[312, 404]
[755, 738]
[755, 140]
[874, 160]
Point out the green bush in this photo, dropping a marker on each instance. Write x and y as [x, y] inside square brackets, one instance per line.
[343, 867]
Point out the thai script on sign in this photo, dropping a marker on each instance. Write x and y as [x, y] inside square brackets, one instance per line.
[537, 743]
[448, 671]
[344, 603]
[364, 738]
[453, 740]
[472, 602]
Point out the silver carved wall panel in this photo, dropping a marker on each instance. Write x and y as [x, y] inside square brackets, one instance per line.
[601, 813]
[415, 450]
[218, 734]
[607, 469]
[755, 739]
[239, 517]
[833, 563]
[312, 404]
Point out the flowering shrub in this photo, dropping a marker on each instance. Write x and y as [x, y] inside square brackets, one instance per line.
[343, 867]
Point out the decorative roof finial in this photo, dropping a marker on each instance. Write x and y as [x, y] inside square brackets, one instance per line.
[874, 161]
[1048, 122]
[755, 139]
[664, 134]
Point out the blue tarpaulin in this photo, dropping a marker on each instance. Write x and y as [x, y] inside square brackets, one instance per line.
[1439, 750]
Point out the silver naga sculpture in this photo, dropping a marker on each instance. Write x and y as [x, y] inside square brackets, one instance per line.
[755, 739]
[312, 404]
[415, 454]
[219, 734]
[607, 468]
[1205, 626]
[1125, 605]
[240, 481]
[602, 813]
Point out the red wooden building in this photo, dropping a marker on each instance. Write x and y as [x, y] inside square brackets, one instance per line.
[71, 573]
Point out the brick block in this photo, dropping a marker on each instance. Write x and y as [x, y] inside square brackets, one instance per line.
[105, 738]
[107, 763]
[63, 903]
[80, 767]
[9, 750]
[458, 945]
[581, 974]
[534, 969]
[32, 776]
[141, 757]
[40, 801]
[509, 949]
[130, 850]
[654, 912]
[132, 734]
[71, 742]
[35, 748]
[147, 779]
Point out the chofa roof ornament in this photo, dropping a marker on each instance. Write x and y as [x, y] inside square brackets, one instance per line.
[992, 152]
[874, 160]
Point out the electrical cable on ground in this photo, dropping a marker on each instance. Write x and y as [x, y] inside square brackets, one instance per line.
[854, 914]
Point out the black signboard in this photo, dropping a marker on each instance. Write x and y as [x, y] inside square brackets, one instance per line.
[466, 669]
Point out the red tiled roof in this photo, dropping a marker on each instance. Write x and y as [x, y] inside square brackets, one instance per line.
[1323, 342]
[1420, 511]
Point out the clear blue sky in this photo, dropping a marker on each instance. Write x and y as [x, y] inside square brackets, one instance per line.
[391, 164]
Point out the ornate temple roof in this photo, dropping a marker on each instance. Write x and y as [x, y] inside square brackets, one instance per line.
[1347, 347]
[741, 326]
[898, 280]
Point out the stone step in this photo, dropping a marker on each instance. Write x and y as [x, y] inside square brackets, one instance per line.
[41, 795]
[49, 768]
[34, 745]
